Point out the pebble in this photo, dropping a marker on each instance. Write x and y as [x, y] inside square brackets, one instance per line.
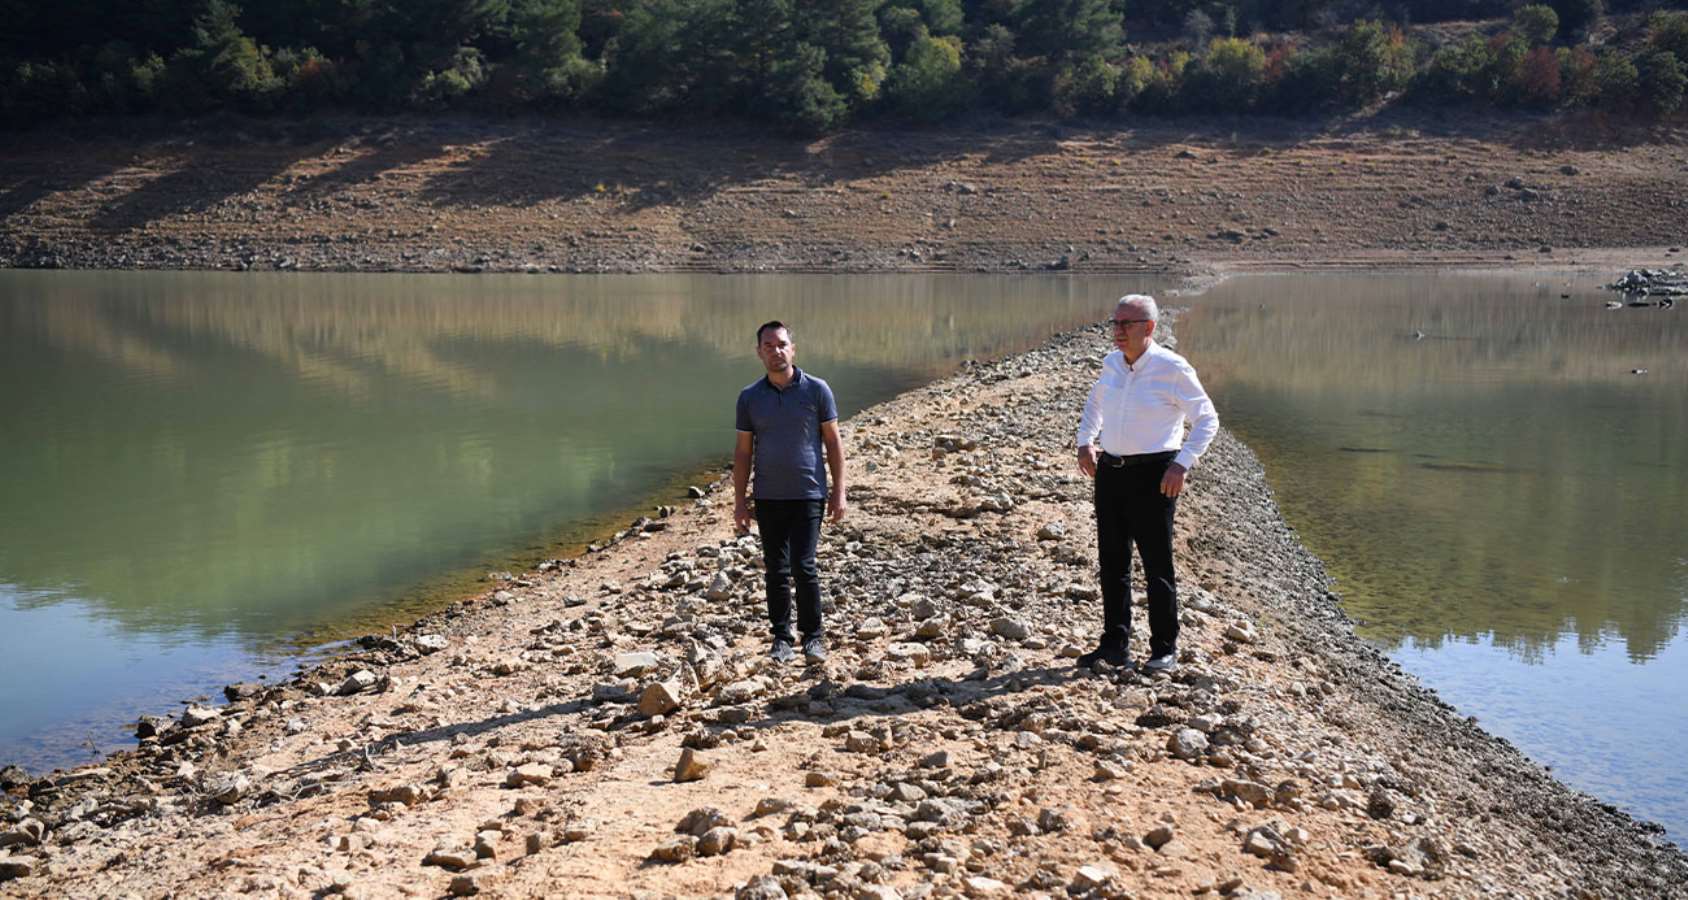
[464, 886]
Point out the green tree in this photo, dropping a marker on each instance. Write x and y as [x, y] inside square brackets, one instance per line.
[1536, 24]
[1085, 86]
[1615, 80]
[232, 65]
[1076, 28]
[547, 62]
[1669, 31]
[901, 26]
[1660, 82]
[1228, 78]
[1459, 72]
[801, 97]
[857, 58]
[926, 84]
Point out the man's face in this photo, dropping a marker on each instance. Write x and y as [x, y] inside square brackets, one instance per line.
[1132, 328]
[776, 350]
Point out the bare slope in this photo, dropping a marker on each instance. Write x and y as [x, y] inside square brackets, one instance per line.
[528, 195]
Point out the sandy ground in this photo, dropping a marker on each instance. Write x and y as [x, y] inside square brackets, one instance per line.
[518, 744]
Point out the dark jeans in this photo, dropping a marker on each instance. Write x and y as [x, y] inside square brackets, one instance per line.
[1131, 510]
[790, 530]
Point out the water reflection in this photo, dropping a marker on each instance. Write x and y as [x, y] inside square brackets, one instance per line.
[1503, 475]
[202, 464]
[1499, 495]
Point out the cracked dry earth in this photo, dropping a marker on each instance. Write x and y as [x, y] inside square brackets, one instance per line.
[608, 725]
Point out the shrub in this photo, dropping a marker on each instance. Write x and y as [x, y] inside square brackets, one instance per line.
[1228, 78]
[1537, 79]
[1576, 76]
[926, 84]
[1660, 82]
[1615, 79]
[1085, 86]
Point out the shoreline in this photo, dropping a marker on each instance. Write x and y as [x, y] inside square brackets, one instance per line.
[343, 782]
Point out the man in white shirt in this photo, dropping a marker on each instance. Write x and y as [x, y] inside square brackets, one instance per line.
[1131, 441]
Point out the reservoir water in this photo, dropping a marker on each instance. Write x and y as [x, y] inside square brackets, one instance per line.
[201, 473]
[1500, 494]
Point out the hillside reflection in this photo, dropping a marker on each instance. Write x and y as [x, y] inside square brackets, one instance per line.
[1473, 456]
[199, 453]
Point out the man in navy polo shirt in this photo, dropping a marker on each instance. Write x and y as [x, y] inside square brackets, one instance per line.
[784, 419]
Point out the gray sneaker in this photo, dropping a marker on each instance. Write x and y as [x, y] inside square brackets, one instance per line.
[782, 651]
[1165, 662]
[814, 650]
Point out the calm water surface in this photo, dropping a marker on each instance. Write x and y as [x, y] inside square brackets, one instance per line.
[197, 469]
[1503, 502]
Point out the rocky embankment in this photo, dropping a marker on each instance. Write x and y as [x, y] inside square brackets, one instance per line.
[609, 725]
[535, 195]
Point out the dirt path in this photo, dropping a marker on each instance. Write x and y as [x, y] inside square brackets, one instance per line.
[529, 195]
[525, 742]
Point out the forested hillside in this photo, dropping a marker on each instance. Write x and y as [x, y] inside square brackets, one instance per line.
[815, 65]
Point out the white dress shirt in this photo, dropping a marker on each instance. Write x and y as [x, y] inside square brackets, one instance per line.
[1142, 408]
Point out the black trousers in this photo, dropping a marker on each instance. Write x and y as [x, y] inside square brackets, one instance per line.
[790, 530]
[1132, 511]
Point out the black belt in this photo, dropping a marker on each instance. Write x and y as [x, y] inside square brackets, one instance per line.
[1136, 459]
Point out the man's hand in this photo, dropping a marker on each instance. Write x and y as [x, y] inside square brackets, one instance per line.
[1172, 483]
[1087, 461]
[741, 516]
[837, 506]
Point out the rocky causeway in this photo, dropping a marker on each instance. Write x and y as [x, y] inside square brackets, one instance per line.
[609, 725]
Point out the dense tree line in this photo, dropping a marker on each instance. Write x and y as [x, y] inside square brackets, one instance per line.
[813, 65]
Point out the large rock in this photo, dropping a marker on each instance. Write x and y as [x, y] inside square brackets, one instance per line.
[17, 866]
[532, 773]
[717, 841]
[357, 682]
[195, 716]
[1187, 743]
[677, 850]
[692, 766]
[660, 698]
[910, 652]
[1092, 877]
[228, 789]
[1012, 629]
[632, 665]
[703, 819]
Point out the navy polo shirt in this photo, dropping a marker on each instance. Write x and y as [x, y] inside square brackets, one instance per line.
[787, 460]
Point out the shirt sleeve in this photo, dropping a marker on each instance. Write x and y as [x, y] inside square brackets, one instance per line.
[744, 423]
[1090, 421]
[1198, 408]
[828, 406]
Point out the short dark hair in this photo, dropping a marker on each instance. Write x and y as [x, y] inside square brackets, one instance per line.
[773, 324]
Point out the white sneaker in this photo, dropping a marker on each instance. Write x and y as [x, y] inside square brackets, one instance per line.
[1165, 662]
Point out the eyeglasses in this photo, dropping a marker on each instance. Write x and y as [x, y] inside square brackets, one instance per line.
[1126, 323]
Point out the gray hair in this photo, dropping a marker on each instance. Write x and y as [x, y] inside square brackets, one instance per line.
[1143, 302]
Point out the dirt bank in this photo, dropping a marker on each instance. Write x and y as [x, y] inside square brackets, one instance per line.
[531, 195]
[531, 741]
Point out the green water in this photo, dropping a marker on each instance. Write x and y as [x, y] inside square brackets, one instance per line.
[199, 469]
[1501, 498]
